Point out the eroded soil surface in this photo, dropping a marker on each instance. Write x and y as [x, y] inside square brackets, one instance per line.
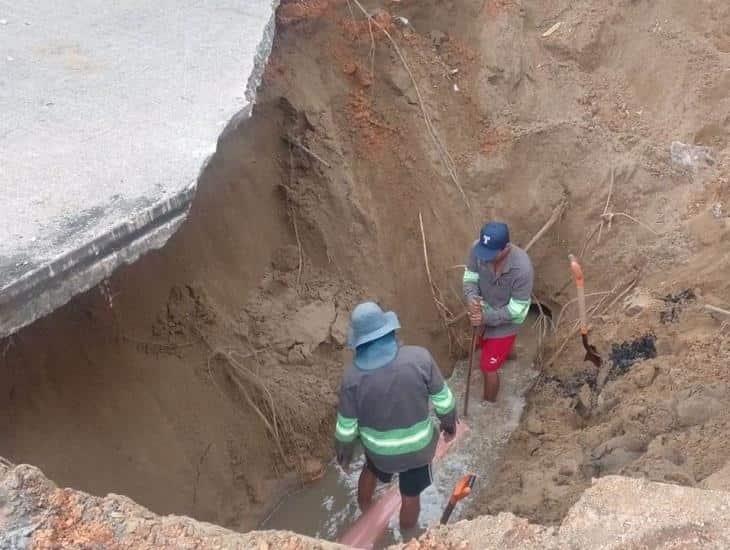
[203, 382]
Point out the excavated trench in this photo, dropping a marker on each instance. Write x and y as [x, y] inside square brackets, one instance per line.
[204, 380]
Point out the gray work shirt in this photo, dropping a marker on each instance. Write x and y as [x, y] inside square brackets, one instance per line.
[388, 407]
[506, 295]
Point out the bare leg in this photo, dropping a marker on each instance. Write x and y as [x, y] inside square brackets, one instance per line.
[491, 386]
[366, 488]
[410, 508]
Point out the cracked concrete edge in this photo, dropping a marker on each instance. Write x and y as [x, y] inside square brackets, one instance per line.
[43, 290]
[262, 57]
[50, 286]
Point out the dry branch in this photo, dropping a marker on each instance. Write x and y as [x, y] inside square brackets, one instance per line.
[608, 203]
[628, 289]
[607, 216]
[307, 150]
[445, 314]
[239, 373]
[372, 56]
[583, 249]
[294, 221]
[299, 246]
[542, 324]
[242, 376]
[556, 325]
[715, 309]
[554, 217]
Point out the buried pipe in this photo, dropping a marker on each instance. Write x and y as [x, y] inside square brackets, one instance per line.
[370, 526]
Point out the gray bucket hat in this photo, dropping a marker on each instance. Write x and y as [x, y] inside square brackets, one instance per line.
[369, 322]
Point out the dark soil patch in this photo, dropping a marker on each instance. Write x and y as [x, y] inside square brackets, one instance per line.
[624, 355]
[675, 303]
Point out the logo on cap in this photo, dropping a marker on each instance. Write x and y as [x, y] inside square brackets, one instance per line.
[493, 238]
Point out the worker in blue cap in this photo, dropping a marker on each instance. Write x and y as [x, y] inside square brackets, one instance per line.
[384, 404]
[498, 283]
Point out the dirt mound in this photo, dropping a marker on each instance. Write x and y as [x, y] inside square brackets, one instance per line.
[34, 513]
[614, 513]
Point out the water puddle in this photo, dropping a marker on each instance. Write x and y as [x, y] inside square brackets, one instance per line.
[327, 507]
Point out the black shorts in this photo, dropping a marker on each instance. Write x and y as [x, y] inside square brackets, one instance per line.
[411, 482]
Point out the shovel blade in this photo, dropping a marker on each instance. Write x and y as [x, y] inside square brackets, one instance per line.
[593, 357]
[591, 352]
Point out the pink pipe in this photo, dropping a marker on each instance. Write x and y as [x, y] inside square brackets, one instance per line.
[371, 525]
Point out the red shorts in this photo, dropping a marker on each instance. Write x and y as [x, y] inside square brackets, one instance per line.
[495, 352]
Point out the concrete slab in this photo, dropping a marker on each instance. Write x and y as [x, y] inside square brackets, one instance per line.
[109, 112]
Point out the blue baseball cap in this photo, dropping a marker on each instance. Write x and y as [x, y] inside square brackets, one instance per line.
[493, 238]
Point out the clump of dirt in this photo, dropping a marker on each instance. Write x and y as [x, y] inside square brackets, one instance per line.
[674, 305]
[296, 11]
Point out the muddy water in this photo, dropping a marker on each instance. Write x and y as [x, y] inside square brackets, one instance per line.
[327, 507]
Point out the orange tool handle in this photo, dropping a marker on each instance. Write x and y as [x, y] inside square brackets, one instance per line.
[579, 279]
[577, 271]
[463, 488]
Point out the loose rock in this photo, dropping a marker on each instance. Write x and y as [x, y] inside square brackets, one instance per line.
[691, 156]
[631, 443]
[339, 328]
[644, 375]
[615, 460]
[719, 481]
[310, 325]
[585, 400]
[637, 302]
[535, 426]
[438, 37]
[402, 83]
[312, 469]
[697, 409]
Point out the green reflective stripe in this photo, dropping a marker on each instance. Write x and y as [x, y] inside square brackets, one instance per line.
[399, 441]
[471, 277]
[346, 428]
[518, 310]
[443, 401]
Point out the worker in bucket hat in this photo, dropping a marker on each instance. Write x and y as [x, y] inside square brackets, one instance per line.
[384, 404]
